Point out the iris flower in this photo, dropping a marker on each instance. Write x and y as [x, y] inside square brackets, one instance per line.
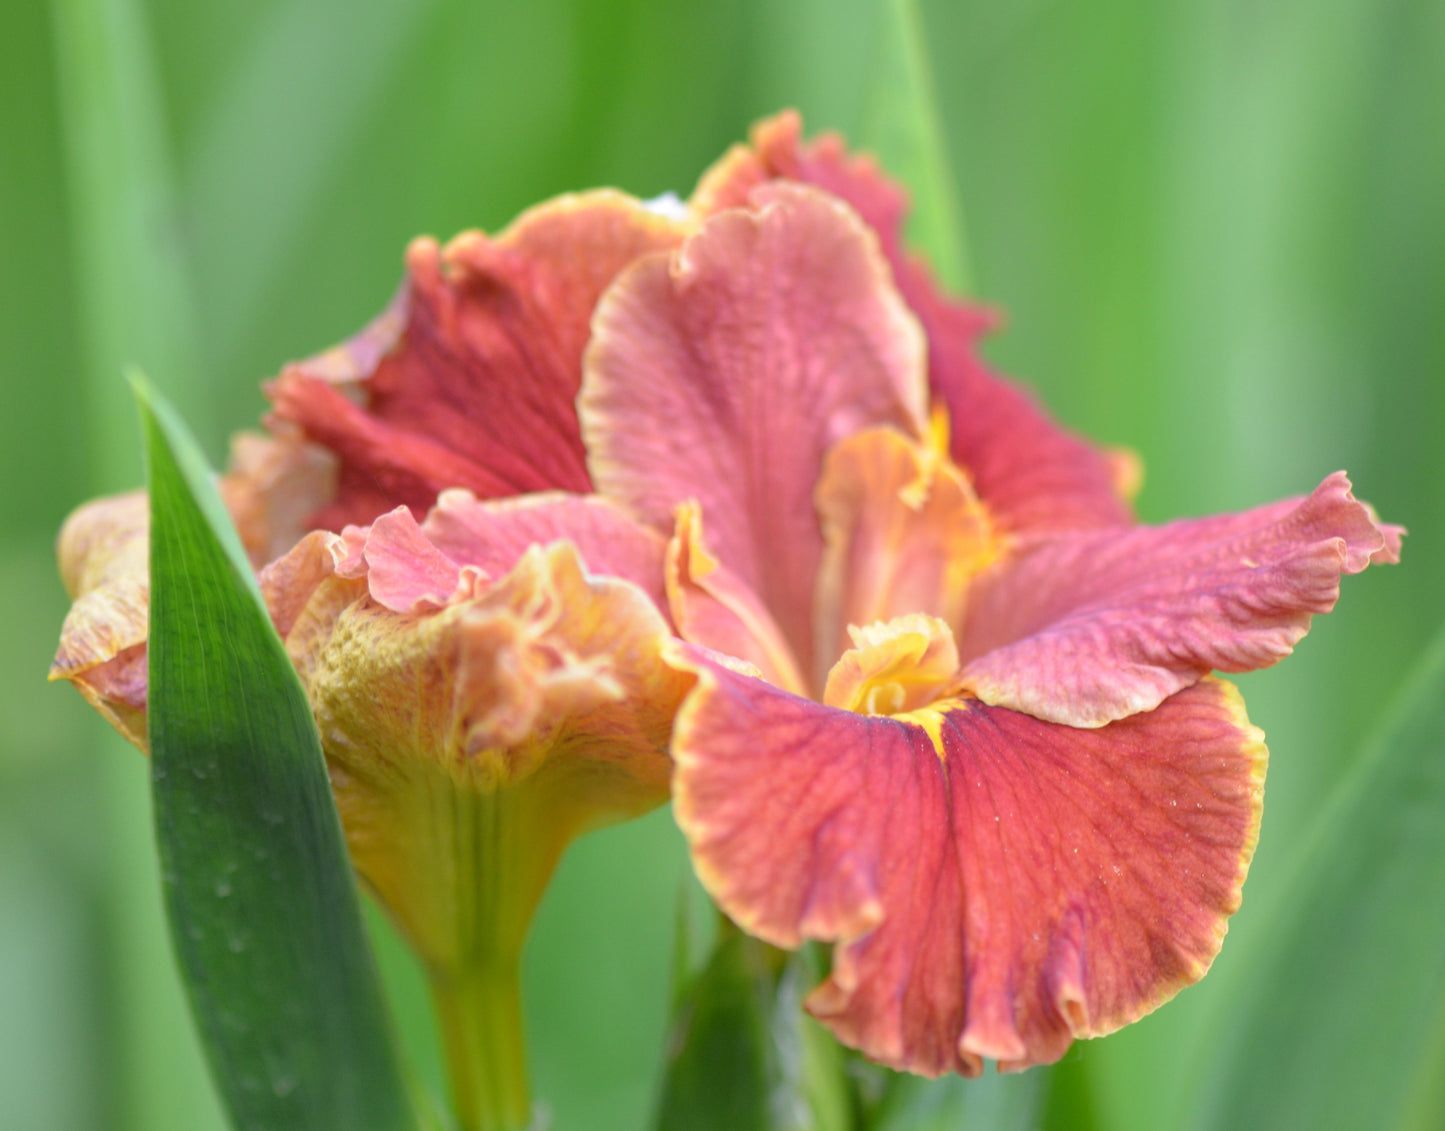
[722, 497]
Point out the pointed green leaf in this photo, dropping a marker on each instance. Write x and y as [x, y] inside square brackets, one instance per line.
[263, 906]
[901, 124]
[743, 1054]
[1346, 1024]
[133, 282]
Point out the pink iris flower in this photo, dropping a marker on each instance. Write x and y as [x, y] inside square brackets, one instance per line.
[729, 498]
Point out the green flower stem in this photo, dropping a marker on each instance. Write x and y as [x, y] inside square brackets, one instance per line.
[461, 864]
[481, 1022]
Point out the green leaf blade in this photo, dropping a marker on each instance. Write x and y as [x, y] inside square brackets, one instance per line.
[902, 125]
[1346, 1027]
[262, 904]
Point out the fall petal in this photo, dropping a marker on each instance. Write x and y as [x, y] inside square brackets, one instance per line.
[1089, 627]
[1031, 473]
[995, 893]
[725, 372]
[469, 378]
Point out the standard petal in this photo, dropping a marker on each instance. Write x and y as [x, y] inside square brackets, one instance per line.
[103, 556]
[995, 893]
[470, 377]
[1031, 473]
[725, 372]
[903, 532]
[1086, 628]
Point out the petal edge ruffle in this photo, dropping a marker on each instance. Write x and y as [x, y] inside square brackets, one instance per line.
[996, 896]
[1087, 627]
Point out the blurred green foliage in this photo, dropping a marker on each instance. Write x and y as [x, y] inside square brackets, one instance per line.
[1215, 225]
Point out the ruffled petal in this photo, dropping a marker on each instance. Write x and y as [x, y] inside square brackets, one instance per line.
[103, 555]
[492, 536]
[471, 741]
[903, 531]
[995, 891]
[274, 483]
[1090, 627]
[469, 379]
[1031, 473]
[725, 372]
[464, 545]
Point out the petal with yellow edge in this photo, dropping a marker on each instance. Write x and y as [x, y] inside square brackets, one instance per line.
[1031, 473]
[725, 371]
[1089, 627]
[712, 607]
[469, 378]
[102, 553]
[997, 886]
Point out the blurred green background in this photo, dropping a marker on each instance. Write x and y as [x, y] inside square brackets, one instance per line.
[1217, 228]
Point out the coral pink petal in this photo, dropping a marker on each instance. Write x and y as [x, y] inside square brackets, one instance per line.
[1031, 473]
[1088, 627]
[996, 896]
[412, 567]
[493, 535]
[712, 607]
[725, 372]
[404, 571]
[470, 378]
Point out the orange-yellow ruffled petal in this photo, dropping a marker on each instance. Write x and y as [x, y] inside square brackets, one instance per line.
[903, 533]
[102, 553]
[711, 606]
[273, 484]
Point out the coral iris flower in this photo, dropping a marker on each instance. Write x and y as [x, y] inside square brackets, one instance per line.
[975, 743]
[735, 487]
